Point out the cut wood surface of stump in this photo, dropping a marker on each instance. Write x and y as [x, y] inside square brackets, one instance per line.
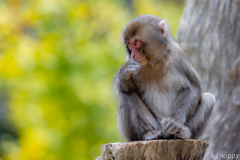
[154, 150]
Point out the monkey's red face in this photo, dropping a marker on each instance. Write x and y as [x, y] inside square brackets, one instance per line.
[136, 50]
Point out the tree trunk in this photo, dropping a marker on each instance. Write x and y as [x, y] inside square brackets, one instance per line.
[156, 150]
[209, 32]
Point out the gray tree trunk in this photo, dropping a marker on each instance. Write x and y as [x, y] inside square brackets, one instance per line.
[209, 32]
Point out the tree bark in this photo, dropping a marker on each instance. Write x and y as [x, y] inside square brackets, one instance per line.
[157, 150]
[209, 32]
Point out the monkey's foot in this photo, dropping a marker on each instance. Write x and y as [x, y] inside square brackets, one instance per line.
[152, 135]
[171, 126]
[184, 133]
[175, 128]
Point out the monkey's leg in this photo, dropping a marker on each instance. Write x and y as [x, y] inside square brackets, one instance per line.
[135, 120]
[184, 105]
[200, 118]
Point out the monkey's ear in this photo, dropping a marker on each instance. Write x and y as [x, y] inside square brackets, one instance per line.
[163, 27]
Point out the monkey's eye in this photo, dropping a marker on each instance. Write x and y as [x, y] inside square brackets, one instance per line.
[129, 45]
[136, 42]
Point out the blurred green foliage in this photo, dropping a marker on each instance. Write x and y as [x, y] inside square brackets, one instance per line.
[57, 62]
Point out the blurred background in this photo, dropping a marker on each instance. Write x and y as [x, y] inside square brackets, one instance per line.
[57, 62]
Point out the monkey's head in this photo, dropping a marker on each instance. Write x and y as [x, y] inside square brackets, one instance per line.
[146, 39]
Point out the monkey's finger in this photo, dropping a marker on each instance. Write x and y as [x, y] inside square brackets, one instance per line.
[173, 129]
[135, 63]
[184, 133]
[167, 125]
[134, 66]
[131, 70]
[180, 135]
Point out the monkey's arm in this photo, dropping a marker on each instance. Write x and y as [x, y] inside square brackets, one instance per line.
[184, 107]
[186, 103]
[188, 92]
[135, 119]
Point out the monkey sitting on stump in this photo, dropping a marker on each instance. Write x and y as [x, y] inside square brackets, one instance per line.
[159, 93]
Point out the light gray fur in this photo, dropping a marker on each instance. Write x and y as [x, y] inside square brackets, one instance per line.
[158, 102]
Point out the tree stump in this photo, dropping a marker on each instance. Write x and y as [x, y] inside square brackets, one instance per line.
[155, 150]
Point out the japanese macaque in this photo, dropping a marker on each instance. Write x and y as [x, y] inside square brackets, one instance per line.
[158, 89]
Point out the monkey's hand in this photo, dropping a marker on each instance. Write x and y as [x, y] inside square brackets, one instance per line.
[175, 128]
[131, 68]
[124, 78]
